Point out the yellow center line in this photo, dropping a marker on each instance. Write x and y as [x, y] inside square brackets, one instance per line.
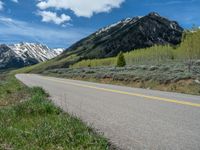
[128, 93]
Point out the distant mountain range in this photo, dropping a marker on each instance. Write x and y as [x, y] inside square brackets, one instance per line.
[25, 54]
[129, 34]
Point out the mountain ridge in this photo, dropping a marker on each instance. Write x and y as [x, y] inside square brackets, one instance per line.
[25, 54]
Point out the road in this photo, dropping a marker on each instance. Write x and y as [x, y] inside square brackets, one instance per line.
[132, 118]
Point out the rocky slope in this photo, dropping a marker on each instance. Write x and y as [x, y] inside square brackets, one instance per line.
[127, 35]
[24, 54]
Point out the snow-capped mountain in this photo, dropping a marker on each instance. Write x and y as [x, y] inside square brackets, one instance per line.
[37, 51]
[24, 54]
[127, 35]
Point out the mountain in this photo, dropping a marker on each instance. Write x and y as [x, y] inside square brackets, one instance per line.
[127, 35]
[8, 58]
[24, 54]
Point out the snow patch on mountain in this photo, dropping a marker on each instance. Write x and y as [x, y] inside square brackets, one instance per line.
[121, 23]
[58, 51]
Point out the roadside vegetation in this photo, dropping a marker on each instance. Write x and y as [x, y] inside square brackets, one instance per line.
[11, 91]
[28, 120]
[173, 76]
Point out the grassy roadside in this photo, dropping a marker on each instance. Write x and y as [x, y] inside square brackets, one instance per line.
[170, 76]
[11, 91]
[31, 121]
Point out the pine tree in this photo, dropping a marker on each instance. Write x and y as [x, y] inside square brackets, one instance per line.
[121, 62]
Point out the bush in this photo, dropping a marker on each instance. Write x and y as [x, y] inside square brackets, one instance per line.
[121, 62]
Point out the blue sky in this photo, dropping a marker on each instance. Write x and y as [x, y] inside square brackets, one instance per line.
[60, 23]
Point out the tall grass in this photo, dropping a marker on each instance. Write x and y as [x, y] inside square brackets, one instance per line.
[11, 90]
[36, 123]
[188, 50]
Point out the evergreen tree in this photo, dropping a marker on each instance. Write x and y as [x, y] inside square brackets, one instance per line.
[121, 62]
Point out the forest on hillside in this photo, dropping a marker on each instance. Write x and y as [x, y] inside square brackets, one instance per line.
[187, 52]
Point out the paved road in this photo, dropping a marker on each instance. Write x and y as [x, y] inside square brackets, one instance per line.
[131, 118]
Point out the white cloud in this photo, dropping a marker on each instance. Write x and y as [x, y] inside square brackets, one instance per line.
[48, 16]
[5, 20]
[15, 1]
[84, 8]
[1, 5]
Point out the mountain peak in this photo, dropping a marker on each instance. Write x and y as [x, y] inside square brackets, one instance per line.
[129, 34]
[24, 53]
[153, 14]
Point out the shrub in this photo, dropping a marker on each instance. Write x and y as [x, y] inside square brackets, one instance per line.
[121, 62]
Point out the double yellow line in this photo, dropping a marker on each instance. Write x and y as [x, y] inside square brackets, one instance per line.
[128, 93]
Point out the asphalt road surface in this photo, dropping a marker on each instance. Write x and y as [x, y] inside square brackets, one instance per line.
[132, 118]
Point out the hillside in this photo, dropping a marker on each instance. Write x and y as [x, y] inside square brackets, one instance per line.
[126, 35]
[25, 54]
[187, 51]
[129, 34]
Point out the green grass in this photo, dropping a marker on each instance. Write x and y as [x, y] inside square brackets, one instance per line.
[95, 63]
[11, 91]
[35, 123]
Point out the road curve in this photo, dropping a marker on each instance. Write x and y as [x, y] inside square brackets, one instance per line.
[132, 118]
